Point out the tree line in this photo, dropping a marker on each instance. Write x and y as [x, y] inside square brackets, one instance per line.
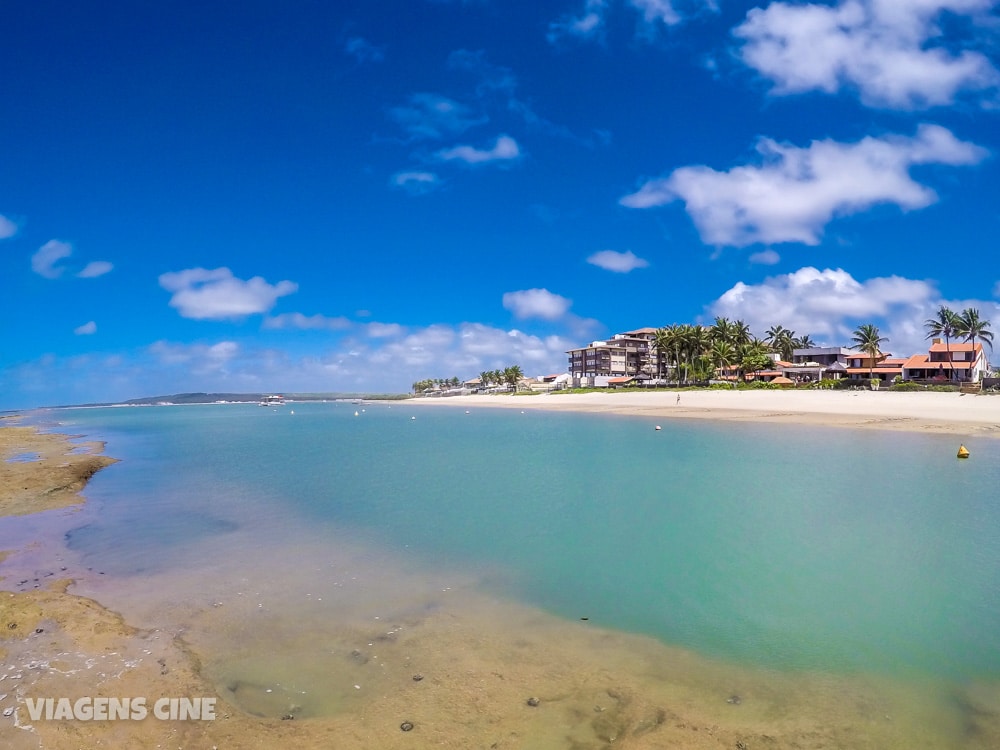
[508, 376]
[697, 352]
[430, 384]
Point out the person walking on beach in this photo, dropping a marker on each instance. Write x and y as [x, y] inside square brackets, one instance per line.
[678, 403]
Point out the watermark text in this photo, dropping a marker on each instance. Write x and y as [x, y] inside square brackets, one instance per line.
[120, 709]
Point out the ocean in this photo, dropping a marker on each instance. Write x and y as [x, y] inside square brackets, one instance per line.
[267, 536]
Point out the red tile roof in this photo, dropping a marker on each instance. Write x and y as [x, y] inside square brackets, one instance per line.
[954, 347]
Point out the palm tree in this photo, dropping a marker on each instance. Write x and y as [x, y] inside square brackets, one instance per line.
[970, 325]
[782, 341]
[945, 324]
[722, 330]
[866, 338]
[740, 333]
[723, 355]
[805, 342]
[662, 342]
[512, 376]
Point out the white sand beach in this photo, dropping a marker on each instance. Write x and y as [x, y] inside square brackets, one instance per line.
[950, 413]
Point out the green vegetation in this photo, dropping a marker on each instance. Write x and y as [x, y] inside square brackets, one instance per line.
[508, 376]
[433, 384]
[866, 338]
[945, 324]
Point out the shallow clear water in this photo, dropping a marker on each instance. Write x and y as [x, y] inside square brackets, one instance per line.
[782, 546]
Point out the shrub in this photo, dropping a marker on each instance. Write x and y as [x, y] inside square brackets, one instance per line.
[906, 385]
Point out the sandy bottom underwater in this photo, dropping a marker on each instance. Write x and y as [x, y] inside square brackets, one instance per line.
[340, 644]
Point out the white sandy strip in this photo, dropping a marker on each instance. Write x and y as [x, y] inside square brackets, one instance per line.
[938, 412]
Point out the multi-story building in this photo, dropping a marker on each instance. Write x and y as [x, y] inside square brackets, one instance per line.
[817, 363]
[948, 361]
[629, 354]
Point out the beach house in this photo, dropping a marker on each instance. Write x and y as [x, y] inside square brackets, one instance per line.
[632, 358]
[947, 361]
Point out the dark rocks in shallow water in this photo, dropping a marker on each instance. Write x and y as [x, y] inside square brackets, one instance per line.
[358, 657]
[533, 701]
[734, 700]
[418, 677]
[287, 717]
[406, 726]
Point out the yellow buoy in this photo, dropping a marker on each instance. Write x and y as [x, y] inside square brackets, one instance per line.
[963, 452]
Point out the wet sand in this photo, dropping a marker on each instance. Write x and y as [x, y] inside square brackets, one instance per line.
[935, 412]
[479, 661]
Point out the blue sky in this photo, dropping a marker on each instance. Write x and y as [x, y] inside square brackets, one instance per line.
[355, 195]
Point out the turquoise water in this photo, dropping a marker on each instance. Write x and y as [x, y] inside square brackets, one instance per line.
[780, 546]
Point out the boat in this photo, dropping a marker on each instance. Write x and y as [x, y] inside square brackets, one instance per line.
[275, 400]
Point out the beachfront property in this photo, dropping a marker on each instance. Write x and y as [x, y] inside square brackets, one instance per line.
[631, 357]
[616, 361]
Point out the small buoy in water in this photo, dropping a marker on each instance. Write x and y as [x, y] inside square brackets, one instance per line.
[466, 411]
[292, 411]
[355, 414]
[657, 427]
[963, 452]
[412, 417]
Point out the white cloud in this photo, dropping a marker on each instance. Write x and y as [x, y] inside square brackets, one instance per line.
[765, 258]
[86, 329]
[44, 261]
[536, 303]
[216, 294]
[464, 351]
[505, 149]
[363, 51]
[7, 228]
[829, 304]
[796, 192]
[891, 51]
[432, 116]
[306, 322]
[611, 260]
[95, 268]
[588, 25]
[362, 364]
[657, 10]
[384, 330]
[415, 182]
[592, 20]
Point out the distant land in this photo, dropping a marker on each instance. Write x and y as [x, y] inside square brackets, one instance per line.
[241, 398]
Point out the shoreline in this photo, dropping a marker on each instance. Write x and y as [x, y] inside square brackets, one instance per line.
[481, 660]
[957, 414]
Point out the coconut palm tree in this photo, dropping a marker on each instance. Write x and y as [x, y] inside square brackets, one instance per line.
[740, 333]
[782, 341]
[722, 330]
[971, 326]
[946, 324]
[805, 342]
[866, 338]
[662, 342]
[512, 376]
[723, 354]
